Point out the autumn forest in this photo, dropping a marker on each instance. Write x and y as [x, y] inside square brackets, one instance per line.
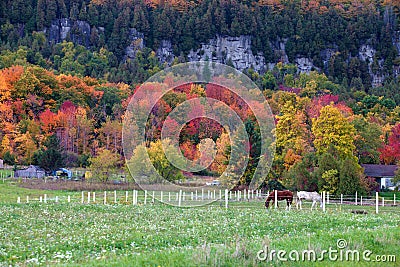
[66, 100]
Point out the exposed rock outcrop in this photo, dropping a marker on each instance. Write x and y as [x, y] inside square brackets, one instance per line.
[305, 65]
[66, 29]
[230, 50]
[326, 56]
[164, 52]
[367, 53]
[136, 43]
[279, 48]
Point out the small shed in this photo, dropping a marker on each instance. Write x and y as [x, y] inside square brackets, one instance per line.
[31, 172]
[383, 174]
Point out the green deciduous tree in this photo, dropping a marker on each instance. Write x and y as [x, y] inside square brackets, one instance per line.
[104, 165]
[141, 168]
[350, 175]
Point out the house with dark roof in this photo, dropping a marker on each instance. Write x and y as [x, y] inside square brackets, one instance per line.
[31, 172]
[383, 174]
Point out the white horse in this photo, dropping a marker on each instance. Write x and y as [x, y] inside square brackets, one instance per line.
[312, 196]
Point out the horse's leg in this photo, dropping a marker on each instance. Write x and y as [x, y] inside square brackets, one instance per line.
[312, 205]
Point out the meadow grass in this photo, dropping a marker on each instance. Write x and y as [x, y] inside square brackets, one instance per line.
[71, 234]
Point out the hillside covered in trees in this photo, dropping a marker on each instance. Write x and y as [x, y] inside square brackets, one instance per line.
[327, 68]
[354, 42]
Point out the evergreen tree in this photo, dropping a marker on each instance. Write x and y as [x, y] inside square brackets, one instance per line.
[51, 157]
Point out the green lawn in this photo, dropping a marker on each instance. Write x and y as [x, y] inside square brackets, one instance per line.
[160, 235]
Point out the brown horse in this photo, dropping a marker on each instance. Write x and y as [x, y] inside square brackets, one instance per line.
[281, 195]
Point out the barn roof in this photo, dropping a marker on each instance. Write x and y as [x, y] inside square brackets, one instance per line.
[377, 170]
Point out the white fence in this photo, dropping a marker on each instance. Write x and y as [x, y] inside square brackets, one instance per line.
[197, 197]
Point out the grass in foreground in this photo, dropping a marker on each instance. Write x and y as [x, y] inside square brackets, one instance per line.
[159, 235]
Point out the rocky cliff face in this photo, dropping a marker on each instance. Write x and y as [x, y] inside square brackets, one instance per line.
[222, 49]
[367, 53]
[237, 52]
[136, 38]
[230, 50]
[165, 53]
[75, 31]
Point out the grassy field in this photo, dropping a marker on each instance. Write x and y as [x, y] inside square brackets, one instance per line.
[160, 235]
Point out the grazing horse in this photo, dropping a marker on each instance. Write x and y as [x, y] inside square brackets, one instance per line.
[312, 196]
[281, 195]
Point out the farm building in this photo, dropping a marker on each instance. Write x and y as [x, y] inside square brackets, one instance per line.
[383, 174]
[30, 172]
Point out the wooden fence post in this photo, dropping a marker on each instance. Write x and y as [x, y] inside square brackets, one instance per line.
[169, 196]
[383, 202]
[27, 199]
[69, 199]
[94, 197]
[341, 199]
[361, 202]
[161, 196]
[323, 201]
[83, 198]
[40, 199]
[115, 196]
[377, 203]
[19, 200]
[327, 197]
[276, 199]
[180, 196]
[126, 196]
[145, 197]
[105, 198]
[394, 199]
[45, 198]
[56, 199]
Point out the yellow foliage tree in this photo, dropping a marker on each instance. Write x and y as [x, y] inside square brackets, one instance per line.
[331, 128]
